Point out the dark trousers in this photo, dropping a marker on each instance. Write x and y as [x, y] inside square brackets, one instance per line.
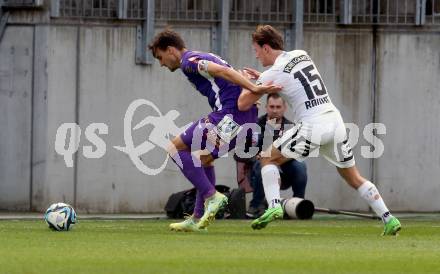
[293, 174]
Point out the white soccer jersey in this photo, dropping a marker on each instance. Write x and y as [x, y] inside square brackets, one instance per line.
[303, 87]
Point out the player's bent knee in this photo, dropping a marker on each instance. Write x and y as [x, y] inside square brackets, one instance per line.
[207, 160]
[273, 160]
[269, 161]
[171, 149]
[352, 176]
[175, 145]
[265, 161]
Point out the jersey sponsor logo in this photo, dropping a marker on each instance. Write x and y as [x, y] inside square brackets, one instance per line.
[295, 61]
[316, 102]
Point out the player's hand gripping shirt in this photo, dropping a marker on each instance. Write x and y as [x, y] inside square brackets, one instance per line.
[221, 93]
[303, 87]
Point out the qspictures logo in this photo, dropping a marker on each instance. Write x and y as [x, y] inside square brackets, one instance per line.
[164, 128]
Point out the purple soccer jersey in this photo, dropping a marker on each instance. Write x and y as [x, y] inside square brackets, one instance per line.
[222, 97]
[221, 93]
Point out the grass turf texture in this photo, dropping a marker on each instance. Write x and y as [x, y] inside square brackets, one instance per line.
[322, 245]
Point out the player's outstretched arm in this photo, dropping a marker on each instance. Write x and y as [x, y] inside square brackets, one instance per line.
[252, 73]
[233, 76]
[247, 99]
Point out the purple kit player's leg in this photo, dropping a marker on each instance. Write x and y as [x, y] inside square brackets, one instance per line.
[196, 175]
[195, 138]
[199, 207]
[214, 203]
[200, 135]
[210, 173]
[203, 179]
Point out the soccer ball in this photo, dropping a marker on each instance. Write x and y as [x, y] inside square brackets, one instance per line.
[60, 217]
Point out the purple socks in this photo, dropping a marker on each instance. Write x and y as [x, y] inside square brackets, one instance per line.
[203, 179]
[199, 207]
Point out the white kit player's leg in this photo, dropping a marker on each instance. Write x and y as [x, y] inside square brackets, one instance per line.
[366, 190]
[370, 194]
[271, 177]
[339, 152]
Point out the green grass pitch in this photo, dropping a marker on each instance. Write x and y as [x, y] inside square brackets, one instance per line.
[322, 245]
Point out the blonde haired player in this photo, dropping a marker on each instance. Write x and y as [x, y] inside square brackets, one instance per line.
[319, 126]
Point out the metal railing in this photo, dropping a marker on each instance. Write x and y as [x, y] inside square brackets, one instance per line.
[22, 3]
[135, 9]
[356, 12]
[321, 11]
[105, 9]
[187, 10]
[261, 11]
[432, 12]
[386, 12]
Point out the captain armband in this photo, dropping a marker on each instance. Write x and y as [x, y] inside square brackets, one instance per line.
[203, 66]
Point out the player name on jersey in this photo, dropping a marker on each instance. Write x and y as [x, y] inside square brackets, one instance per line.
[316, 102]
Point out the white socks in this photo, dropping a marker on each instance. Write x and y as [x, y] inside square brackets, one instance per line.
[271, 176]
[369, 192]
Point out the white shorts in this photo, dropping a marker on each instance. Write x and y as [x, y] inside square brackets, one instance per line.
[323, 134]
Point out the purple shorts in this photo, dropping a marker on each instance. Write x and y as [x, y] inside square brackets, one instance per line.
[195, 137]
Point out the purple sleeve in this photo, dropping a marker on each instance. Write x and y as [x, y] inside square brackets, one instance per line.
[191, 63]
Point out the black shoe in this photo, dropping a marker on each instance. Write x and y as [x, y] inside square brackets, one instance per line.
[252, 212]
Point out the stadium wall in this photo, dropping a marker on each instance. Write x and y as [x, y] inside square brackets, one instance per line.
[84, 72]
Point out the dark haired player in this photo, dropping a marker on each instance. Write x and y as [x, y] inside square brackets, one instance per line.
[215, 79]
